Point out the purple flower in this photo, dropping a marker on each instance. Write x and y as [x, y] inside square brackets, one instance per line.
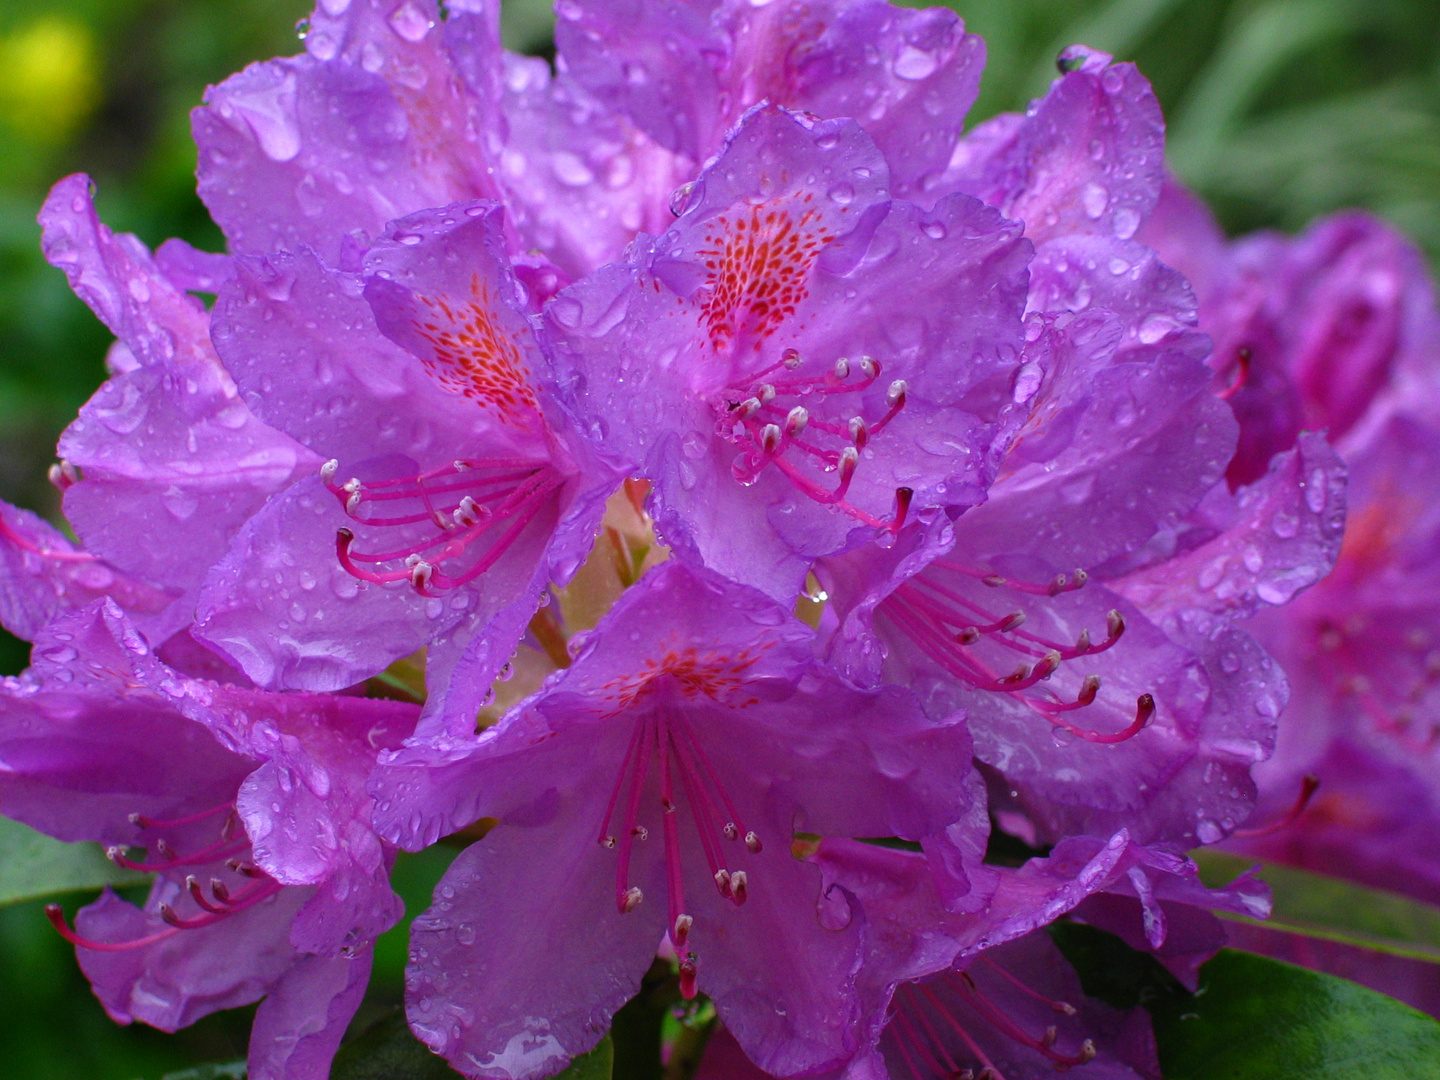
[394, 108]
[955, 990]
[1337, 328]
[799, 344]
[1090, 712]
[457, 487]
[1082, 168]
[269, 880]
[1308, 332]
[166, 462]
[685, 72]
[654, 789]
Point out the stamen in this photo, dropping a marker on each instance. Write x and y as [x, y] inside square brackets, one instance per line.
[1308, 787]
[56, 916]
[144, 822]
[63, 475]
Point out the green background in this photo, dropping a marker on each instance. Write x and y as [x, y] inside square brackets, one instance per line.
[1279, 110]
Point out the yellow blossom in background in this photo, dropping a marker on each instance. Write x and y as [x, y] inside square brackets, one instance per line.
[48, 82]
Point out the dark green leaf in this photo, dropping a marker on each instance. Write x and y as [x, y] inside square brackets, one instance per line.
[388, 1050]
[33, 865]
[228, 1070]
[1254, 1018]
[1316, 905]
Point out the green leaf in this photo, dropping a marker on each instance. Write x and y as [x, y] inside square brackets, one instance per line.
[226, 1070]
[388, 1050]
[33, 865]
[1254, 1018]
[1319, 906]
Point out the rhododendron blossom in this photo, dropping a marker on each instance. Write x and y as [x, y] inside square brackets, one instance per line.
[793, 502]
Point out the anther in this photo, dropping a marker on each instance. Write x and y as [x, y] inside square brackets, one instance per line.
[770, 438]
[752, 843]
[631, 899]
[168, 914]
[328, 470]
[731, 831]
[903, 495]
[738, 887]
[1087, 1051]
[1080, 577]
[1082, 643]
[895, 396]
[1020, 674]
[795, 422]
[791, 359]
[859, 431]
[1144, 710]
[640, 832]
[1051, 1034]
[968, 636]
[681, 930]
[722, 882]
[115, 853]
[421, 573]
[139, 820]
[164, 850]
[607, 842]
[240, 866]
[469, 513]
[766, 393]
[353, 499]
[219, 891]
[1114, 623]
[869, 367]
[993, 580]
[63, 474]
[842, 368]
[1088, 689]
[748, 408]
[687, 977]
[849, 458]
[1048, 663]
[1058, 585]
[1011, 622]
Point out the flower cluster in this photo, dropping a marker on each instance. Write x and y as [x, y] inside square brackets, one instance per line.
[953, 524]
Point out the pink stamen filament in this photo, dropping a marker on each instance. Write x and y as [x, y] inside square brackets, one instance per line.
[221, 849]
[143, 822]
[754, 406]
[1008, 1027]
[26, 545]
[965, 1037]
[669, 736]
[214, 914]
[1308, 787]
[944, 651]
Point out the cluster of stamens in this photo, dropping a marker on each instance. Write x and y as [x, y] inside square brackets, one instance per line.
[767, 416]
[1388, 703]
[457, 520]
[924, 1025]
[666, 736]
[219, 903]
[946, 625]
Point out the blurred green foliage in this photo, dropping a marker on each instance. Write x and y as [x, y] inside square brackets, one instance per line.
[1279, 110]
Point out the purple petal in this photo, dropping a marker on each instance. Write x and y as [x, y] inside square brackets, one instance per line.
[299, 1025]
[321, 150]
[686, 72]
[1283, 536]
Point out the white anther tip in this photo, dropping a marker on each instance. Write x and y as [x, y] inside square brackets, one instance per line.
[770, 438]
[752, 843]
[795, 422]
[842, 368]
[868, 367]
[631, 899]
[328, 470]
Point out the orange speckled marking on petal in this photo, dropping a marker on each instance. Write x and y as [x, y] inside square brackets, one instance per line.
[474, 354]
[711, 674]
[758, 263]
